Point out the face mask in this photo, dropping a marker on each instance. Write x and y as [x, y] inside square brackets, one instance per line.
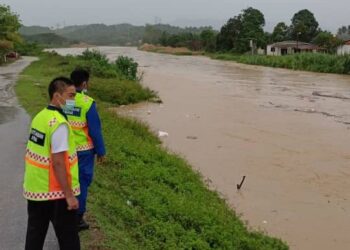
[69, 106]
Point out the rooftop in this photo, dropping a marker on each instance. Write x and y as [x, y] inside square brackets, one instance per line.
[294, 44]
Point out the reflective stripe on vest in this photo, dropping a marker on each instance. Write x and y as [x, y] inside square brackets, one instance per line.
[40, 182]
[78, 122]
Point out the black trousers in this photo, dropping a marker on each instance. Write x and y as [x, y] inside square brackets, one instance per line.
[64, 222]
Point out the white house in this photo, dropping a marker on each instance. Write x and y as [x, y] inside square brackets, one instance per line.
[344, 49]
[290, 47]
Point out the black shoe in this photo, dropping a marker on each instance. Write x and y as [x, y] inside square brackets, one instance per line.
[82, 225]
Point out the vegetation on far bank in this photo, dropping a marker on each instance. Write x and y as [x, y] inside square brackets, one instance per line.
[315, 62]
[143, 197]
[178, 51]
[243, 34]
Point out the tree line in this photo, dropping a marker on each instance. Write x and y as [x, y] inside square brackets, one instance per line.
[246, 29]
[235, 35]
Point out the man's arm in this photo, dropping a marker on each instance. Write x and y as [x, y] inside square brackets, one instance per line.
[95, 132]
[59, 166]
[59, 147]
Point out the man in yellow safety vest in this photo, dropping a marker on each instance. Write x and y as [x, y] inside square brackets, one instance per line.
[86, 125]
[51, 181]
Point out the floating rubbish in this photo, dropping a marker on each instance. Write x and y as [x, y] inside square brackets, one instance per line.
[239, 186]
[264, 222]
[149, 112]
[162, 134]
[192, 137]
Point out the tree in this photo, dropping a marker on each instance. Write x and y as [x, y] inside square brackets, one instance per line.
[327, 41]
[280, 32]
[9, 26]
[152, 35]
[253, 29]
[229, 33]
[237, 33]
[304, 26]
[208, 40]
[344, 33]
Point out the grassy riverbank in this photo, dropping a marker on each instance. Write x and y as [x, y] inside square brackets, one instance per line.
[143, 197]
[323, 63]
[314, 62]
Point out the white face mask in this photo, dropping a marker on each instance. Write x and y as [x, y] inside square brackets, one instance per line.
[68, 106]
[85, 88]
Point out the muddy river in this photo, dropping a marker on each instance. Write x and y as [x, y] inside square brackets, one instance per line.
[288, 132]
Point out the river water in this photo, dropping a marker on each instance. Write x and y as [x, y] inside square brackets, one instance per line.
[288, 132]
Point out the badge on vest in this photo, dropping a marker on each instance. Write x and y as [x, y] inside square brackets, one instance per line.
[75, 112]
[37, 137]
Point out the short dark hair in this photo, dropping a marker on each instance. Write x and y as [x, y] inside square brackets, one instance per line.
[78, 76]
[59, 84]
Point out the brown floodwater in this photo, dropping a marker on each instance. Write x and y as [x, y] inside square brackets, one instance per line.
[288, 132]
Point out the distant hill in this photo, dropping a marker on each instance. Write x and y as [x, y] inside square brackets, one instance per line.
[34, 30]
[99, 34]
[177, 30]
[49, 40]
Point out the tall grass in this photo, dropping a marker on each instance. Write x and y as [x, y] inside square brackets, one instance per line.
[109, 86]
[315, 62]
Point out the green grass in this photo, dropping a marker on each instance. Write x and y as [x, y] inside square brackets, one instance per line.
[315, 62]
[144, 197]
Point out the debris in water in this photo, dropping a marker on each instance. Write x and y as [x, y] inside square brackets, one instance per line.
[239, 186]
[162, 134]
[192, 137]
[338, 96]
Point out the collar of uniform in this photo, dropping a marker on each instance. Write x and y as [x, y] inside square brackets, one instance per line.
[59, 110]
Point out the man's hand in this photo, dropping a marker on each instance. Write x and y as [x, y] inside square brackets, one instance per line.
[101, 159]
[59, 167]
[73, 203]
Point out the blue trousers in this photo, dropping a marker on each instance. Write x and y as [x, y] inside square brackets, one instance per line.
[86, 161]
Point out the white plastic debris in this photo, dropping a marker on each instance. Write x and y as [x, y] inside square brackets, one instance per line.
[264, 222]
[162, 134]
[149, 112]
[190, 137]
[129, 203]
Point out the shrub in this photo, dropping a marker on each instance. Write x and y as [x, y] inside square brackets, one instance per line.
[127, 66]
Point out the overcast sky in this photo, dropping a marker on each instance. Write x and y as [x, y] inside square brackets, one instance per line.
[330, 14]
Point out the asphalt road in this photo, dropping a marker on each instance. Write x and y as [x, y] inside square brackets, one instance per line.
[14, 127]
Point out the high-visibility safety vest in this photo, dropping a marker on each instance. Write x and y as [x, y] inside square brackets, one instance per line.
[40, 182]
[78, 122]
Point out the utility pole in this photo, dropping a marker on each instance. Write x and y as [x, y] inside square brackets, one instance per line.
[299, 33]
[251, 44]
